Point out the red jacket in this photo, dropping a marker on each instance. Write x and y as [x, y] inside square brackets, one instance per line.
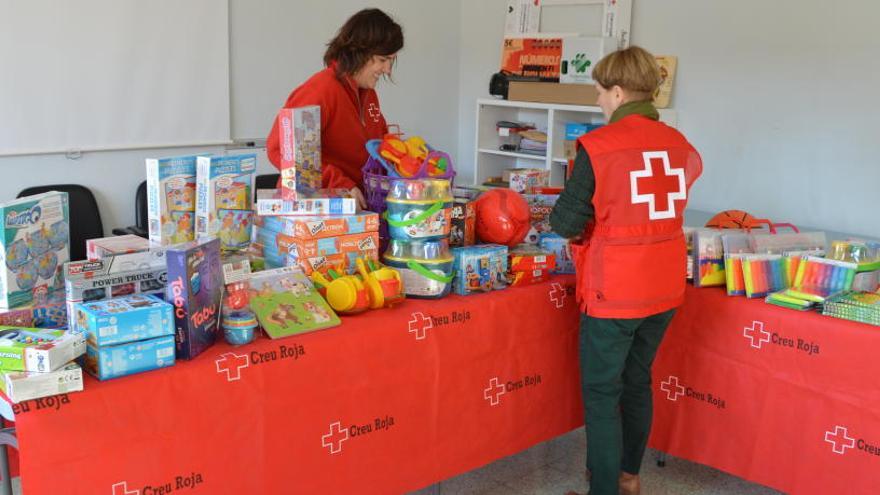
[350, 116]
[632, 260]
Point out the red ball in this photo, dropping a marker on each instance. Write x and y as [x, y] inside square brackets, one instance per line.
[502, 217]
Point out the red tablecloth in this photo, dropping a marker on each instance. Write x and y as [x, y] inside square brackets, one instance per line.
[390, 401]
[783, 398]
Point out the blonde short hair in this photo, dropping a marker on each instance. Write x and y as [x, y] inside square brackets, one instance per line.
[634, 69]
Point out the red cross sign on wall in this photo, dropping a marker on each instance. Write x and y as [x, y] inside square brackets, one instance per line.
[658, 185]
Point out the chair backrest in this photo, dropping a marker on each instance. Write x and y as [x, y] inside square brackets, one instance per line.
[85, 219]
[266, 181]
[140, 206]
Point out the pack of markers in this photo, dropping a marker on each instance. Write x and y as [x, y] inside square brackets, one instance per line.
[816, 280]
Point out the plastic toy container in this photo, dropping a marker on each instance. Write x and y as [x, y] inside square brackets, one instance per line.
[425, 267]
[419, 210]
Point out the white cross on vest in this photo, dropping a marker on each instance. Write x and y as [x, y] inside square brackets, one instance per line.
[659, 188]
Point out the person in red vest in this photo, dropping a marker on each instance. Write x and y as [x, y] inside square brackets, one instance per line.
[363, 51]
[622, 209]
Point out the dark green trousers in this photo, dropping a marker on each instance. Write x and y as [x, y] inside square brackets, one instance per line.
[616, 357]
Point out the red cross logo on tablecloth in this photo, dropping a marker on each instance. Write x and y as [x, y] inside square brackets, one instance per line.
[420, 324]
[756, 334]
[658, 185]
[334, 439]
[557, 294]
[494, 392]
[839, 439]
[374, 112]
[121, 488]
[232, 364]
[672, 388]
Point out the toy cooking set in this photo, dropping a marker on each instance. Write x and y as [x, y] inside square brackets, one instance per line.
[111, 246]
[114, 276]
[480, 268]
[319, 227]
[559, 246]
[325, 202]
[375, 286]
[36, 349]
[171, 199]
[34, 245]
[125, 359]
[299, 131]
[419, 210]
[20, 386]
[424, 266]
[224, 205]
[195, 287]
[124, 319]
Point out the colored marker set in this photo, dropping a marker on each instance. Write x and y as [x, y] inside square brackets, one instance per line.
[819, 278]
[763, 274]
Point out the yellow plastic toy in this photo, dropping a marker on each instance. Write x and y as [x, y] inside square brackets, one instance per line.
[383, 284]
[345, 293]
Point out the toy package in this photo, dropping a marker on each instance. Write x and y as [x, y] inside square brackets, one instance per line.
[124, 319]
[34, 246]
[464, 218]
[114, 276]
[51, 312]
[20, 386]
[195, 287]
[125, 359]
[324, 202]
[276, 244]
[36, 349]
[171, 199]
[561, 250]
[526, 257]
[762, 274]
[319, 227]
[540, 207]
[709, 257]
[341, 262]
[224, 205]
[110, 246]
[525, 180]
[858, 306]
[299, 131]
[532, 56]
[286, 303]
[479, 268]
[527, 277]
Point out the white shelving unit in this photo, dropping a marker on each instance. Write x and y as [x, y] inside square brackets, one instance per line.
[490, 160]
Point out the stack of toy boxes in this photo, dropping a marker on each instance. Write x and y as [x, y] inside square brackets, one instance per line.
[37, 363]
[171, 199]
[479, 268]
[111, 246]
[194, 288]
[318, 242]
[114, 276]
[126, 335]
[224, 204]
[34, 245]
[528, 264]
[299, 131]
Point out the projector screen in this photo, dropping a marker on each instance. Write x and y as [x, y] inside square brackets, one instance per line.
[112, 74]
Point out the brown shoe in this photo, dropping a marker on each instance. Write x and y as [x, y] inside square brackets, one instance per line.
[629, 484]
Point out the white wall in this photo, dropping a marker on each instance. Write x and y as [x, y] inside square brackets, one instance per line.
[779, 97]
[274, 46]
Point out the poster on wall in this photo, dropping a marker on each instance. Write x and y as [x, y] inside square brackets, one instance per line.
[523, 16]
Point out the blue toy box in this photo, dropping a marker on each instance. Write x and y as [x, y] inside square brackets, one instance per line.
[125, 359]
[574, 130]
[124, 319]
[479, 268]
[34, 245]
[195, 285]
[557, 245]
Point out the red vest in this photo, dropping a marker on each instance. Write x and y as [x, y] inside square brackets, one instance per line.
[631, 261]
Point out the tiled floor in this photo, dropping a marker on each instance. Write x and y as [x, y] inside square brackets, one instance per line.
[557, 466]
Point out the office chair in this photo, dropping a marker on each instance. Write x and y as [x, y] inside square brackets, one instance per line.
[140, 227]
[266, 181]
[85, 219]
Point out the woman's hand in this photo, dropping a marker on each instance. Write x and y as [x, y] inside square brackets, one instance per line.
[359, 197]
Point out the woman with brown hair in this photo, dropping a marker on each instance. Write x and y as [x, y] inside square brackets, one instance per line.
[363, 51]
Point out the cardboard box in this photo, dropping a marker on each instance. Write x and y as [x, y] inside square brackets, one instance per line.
[224, 199]
[34, 245]
[274, 243]
[341, 262]
[525, 180]
[548, 92]
[463, 228]
[124, 319]
[270, 203]
[479, 268]
[20, 386]
[97, 249]
[540, 207]
[527, 277]
[580, 55]
[195, 286]
[319, 227]
[529, 258]
[48, 313]
[36, 349]
[171, 199]
[560, 248]
[125, 359]
[299, 131]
